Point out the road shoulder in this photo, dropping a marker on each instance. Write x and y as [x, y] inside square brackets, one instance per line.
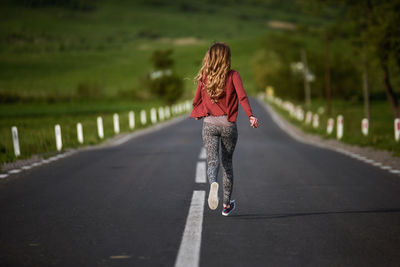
[379, 158]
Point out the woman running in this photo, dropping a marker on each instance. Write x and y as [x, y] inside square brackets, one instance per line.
[219, 91]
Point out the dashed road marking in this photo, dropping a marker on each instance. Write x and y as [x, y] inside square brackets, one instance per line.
[14, 171]
[395, 171]
[2, 176]
[202, 153]
[201, 172]
[120, 257]
[189, 250]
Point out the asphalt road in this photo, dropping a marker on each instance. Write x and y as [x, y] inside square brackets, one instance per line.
[297, 205]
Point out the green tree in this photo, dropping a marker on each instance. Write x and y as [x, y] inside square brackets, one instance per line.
[376, 31]
[164, 82]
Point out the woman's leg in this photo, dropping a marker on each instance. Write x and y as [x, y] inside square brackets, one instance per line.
[211, 137]
[228, 142]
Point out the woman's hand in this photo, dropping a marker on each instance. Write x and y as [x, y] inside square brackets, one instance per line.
[253, 122]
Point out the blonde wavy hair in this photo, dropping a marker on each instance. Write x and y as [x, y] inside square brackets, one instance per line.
[216, 65]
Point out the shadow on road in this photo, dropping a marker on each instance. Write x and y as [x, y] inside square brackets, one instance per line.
[318, 213]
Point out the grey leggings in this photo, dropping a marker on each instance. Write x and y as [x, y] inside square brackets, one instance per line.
[212, 134]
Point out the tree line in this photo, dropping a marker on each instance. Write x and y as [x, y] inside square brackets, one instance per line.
[354, 53]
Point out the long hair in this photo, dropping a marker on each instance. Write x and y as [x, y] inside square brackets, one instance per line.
[216, 65]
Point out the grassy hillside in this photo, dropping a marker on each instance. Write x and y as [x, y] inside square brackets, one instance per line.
[53, 49]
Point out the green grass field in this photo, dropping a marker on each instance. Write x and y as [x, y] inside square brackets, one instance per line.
[53, 50]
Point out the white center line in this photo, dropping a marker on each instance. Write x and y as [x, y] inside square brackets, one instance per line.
[189, 250]
[201, 172]
[2, 176]
[202, 153]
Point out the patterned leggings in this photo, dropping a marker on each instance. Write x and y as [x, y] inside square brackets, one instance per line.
[212, 134]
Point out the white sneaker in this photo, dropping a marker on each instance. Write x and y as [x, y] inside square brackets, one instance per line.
[213, 196]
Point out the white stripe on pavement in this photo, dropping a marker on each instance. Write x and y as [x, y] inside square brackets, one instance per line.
[14, 171]
[2, 176]
[26, 167]
[202, 153]
[189, 250]
[201, 172]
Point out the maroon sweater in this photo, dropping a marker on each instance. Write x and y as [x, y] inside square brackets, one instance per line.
[227, 104]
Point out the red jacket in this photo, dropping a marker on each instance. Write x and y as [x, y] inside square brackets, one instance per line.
[227, 104]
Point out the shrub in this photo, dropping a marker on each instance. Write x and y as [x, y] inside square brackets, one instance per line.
[164, 82]
[89, 90]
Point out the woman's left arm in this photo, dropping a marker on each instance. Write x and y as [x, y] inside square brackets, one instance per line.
[243, 99]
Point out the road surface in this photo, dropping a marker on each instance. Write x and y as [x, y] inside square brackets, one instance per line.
[128, 205]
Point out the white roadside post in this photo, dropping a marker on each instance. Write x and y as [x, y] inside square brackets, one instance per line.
[14, 133]
[397, 129]
[308, 117]
[57, 130]
[143, 119]
[299, 114]
[167, 112]
[79, 132]
[188, 106]
[131, 120]
[364, 126]
[315, 121]
[329, 127]
[116, 123]
[100, 130]
[339, 127]
[161, 113]
[153, 115]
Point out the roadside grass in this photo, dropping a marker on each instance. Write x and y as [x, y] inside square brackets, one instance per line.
[381, 125]
[36, 130]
